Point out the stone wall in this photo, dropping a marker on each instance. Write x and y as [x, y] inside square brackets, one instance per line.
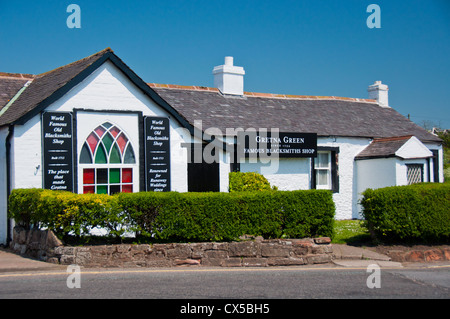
[254, 252]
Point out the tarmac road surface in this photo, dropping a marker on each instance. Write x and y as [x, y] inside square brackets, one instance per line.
[327, 281]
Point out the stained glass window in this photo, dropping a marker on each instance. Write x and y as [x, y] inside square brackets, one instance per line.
[107, 145]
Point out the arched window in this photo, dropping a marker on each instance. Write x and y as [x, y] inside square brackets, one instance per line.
[107, 158]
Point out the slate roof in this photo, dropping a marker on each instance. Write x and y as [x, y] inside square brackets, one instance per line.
[383, 147]
[10, 84]
[45, 85]
[326, 116]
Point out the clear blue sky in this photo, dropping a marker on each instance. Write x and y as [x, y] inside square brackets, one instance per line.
[305, 47]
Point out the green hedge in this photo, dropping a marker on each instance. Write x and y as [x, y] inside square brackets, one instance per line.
[415, 213]
[65, 212]
[180, 216]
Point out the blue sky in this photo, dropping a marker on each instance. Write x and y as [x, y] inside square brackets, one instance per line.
[304, 47]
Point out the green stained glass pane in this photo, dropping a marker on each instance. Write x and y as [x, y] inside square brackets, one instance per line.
[100, 156]
[114, 175]
[107, 141]
[85, 156]
[114, 158]
[103, 189]
[129, 155]
[107, 125]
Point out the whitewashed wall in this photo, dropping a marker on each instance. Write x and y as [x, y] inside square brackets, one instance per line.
[295, 174]
[346, 199]
[108, 89]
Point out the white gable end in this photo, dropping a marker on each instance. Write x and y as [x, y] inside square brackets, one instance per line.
[107, 88]
[413, 148]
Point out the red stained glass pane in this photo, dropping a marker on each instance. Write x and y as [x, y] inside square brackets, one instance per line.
[114, 131]
[89, 176]
[100, 130]
[92, 141]
[122, 142]
[127, 175]
[89, 189]
[127, 188]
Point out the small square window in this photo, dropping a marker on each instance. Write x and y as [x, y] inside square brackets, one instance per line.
[414, 173]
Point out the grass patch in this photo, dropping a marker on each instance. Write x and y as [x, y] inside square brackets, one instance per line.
[350, 232]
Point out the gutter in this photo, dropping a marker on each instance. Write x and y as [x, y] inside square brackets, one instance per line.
[8, 159]
[8, 182]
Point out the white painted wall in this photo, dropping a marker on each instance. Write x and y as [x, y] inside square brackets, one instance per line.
[26, 155]
[295, 174]
[108, 88]
[287, 174]
[346, 199]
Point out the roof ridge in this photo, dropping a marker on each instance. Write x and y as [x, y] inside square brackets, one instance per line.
[16, 76]
[261, 95]
[392, 138]
[99, 53]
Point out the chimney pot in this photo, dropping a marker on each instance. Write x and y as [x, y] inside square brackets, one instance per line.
[229, 60]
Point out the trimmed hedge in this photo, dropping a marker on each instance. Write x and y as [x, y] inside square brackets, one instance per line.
[65, 212]
[414, 213]
[180, 216]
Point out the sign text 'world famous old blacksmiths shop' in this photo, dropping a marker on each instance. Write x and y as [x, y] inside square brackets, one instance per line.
[58, 159]
[157, 154]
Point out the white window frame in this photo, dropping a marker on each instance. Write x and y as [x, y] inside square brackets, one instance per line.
[87, 121]
[328, 169]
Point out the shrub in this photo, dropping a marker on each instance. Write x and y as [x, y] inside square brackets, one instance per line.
[175, 216]
[65, 212]
[23, 206]
[415, 213]
[242, 182]
[226, 216]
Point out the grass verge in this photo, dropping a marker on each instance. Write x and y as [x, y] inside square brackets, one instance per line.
[350, 232]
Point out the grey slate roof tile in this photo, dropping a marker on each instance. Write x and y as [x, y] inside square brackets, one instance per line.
[383, 147]
[326, 117]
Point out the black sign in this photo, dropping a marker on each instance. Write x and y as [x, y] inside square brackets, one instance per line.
[58, 159]
[272, 144]
[157, 154]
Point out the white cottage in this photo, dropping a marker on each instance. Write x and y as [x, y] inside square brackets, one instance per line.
[94, 126]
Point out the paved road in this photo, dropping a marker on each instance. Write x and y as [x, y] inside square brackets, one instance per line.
[266, 283]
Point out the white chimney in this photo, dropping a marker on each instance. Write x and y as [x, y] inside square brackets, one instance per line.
[229, 79]
[379, 92]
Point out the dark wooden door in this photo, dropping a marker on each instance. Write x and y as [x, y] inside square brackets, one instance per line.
[203, 177]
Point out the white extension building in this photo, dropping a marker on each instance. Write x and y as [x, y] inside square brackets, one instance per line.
[94, 126]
